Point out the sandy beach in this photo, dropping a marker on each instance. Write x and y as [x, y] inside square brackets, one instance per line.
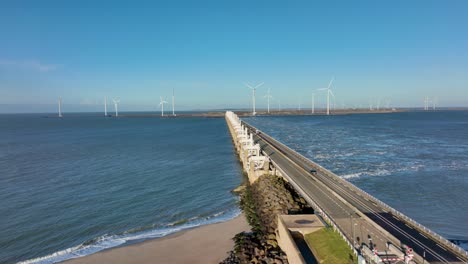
[204, 244]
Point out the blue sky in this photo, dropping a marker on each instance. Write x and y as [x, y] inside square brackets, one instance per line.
[205, 50]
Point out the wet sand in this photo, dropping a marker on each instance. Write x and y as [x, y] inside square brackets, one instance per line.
[204, 244]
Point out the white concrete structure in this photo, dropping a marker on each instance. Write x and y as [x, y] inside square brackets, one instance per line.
[250, 154]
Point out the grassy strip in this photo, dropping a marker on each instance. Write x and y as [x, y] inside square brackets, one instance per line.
[329, 248]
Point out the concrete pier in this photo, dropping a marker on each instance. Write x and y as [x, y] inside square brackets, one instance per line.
[361, 219]
[254, 163]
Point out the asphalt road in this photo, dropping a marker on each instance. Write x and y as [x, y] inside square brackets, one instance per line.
[340, 201]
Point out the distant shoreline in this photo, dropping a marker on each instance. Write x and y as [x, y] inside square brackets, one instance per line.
[241, 113]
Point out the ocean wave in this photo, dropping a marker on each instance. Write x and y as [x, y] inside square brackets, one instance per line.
[382, 172]
[110, 241]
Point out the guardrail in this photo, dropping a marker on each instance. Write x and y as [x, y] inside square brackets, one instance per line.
[409, 220]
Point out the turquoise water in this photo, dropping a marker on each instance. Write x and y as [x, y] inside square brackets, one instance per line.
[417, 162]
[83, 183]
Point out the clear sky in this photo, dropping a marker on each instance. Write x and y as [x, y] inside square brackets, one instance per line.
[205, 50]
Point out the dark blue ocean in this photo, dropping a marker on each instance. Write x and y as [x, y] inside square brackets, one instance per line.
[416, 162]
[83, 183]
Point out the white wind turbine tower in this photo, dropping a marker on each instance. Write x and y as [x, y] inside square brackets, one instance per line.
[329, 91]
[253, 95]
[161, 103]
[116, 106]
[313, 103]
[60, 107]
[268, 96]
[279, 105]
[173, 112]
[426, 103]
[387, 103]
[105, 105]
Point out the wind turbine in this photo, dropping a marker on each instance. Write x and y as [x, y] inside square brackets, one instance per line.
[116, 106]
[60, 106]
[329, 91]
[105, 106]
[279, 105]
[313, 103]
[268, 96]
[173, 112]
[387, 103]
[253, 95]
[161, 103]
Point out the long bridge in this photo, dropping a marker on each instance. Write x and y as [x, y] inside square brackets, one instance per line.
[363, 220]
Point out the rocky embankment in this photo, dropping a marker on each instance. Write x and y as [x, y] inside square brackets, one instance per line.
[261, 202]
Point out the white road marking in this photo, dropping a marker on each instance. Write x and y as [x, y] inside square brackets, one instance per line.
[423, 235]
[408, 226]
[441, 247]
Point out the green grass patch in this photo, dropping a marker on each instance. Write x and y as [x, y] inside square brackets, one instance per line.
[329, 248]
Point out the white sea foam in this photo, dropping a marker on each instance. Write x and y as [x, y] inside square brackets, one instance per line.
[381, 172]
[352, 175]
[110, 241]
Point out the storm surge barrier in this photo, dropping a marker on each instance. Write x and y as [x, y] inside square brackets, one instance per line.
[428, 245]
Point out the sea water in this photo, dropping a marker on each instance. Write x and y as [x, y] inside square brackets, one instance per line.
[416, 162]
[76, 185]
[79, 184]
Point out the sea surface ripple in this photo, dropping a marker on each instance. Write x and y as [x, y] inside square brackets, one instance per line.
[77, 185]
[417, 162]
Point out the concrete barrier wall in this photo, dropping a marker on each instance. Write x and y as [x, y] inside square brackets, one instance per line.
[287, 243]
[254, 163]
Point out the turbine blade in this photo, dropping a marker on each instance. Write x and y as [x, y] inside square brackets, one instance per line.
[259, 85]
[248, 85]
[331, 81]
[322, 89]
[330, 91]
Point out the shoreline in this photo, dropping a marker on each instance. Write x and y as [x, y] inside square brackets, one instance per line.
[202, 244]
